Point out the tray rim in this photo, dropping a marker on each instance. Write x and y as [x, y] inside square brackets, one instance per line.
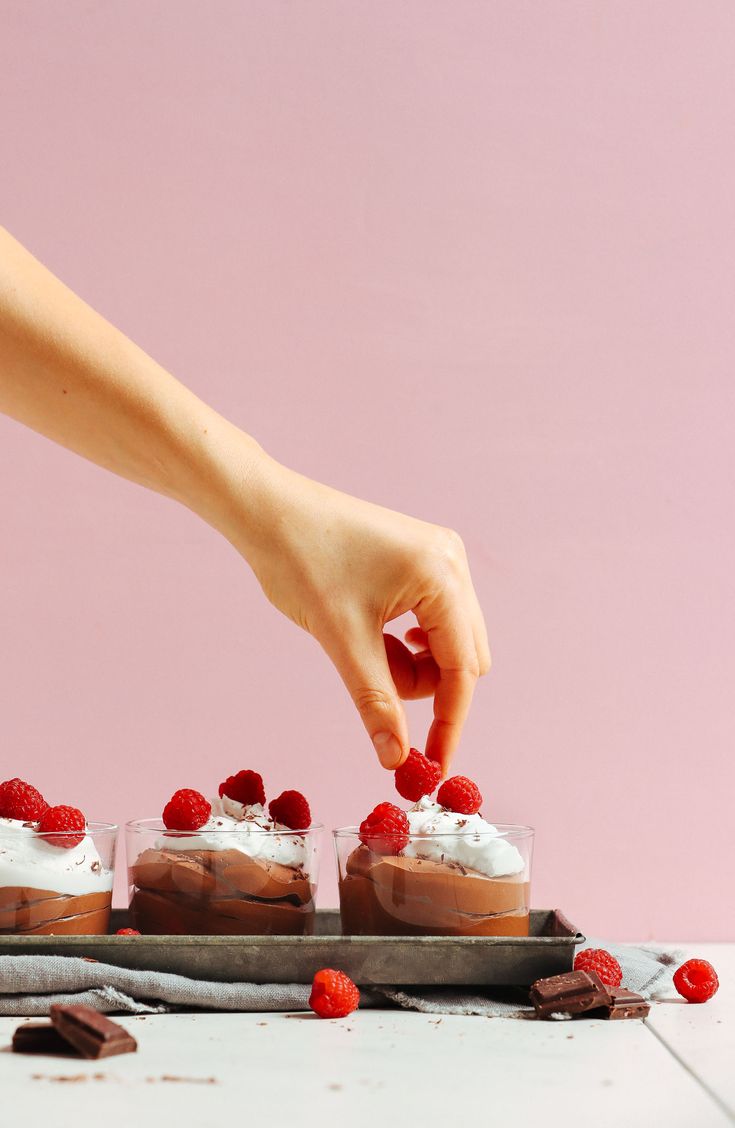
[572, 938]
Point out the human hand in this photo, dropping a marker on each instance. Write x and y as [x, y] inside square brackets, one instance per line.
[341, 569]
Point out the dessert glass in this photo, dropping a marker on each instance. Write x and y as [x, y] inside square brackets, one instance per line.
[428, 887]
[49, 889]
[234, 882]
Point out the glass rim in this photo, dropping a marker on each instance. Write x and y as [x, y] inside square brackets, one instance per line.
[155, 826]
[94, 826]
[506, 830]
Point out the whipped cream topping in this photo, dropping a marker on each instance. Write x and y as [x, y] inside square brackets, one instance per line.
[251, 830]
[29, 861]
[466, 839]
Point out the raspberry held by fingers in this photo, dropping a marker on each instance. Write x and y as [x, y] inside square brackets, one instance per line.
[417, 776]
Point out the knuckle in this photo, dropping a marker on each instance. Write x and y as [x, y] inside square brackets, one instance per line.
[451, 547]
[486, 662]
[371, 699]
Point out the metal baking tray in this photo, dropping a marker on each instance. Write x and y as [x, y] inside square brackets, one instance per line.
[369, 960]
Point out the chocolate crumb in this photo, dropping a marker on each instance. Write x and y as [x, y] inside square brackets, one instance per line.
[334, 1087]
[96, 867]
[185, 1080]
[62, 1076]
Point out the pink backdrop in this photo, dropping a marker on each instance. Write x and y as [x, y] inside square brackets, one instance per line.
[474, 261]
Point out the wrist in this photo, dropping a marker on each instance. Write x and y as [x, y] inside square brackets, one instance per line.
[230, 482]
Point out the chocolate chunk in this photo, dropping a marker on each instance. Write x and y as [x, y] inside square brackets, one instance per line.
[626, 1004]
[39, 1038]
[90, 1033]
[572, 993]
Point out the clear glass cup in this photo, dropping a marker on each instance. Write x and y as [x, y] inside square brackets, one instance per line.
[234, 882]
[448, 884]
[56, 884]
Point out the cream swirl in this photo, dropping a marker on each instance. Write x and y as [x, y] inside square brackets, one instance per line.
[249, 829]
[441, 835]
[28, 860]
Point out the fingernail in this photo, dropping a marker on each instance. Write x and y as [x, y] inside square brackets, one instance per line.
[388, 748]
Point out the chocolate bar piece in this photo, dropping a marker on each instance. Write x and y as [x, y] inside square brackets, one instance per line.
[39, 1038]
[90, 1033]
[574, 992]
[626, 1004]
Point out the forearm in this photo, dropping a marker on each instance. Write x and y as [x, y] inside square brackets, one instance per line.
[69, 374]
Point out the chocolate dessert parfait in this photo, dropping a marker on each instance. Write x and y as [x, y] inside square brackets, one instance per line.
[434, 870]
[227, 867]
[56, 870]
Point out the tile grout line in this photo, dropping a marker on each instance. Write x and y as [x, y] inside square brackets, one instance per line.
[721, 1104]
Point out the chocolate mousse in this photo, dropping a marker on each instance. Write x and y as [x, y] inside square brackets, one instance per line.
[53, 879]
[219, 893]
[408, 896]
[225, 866]
[42, 912]
[438, 869]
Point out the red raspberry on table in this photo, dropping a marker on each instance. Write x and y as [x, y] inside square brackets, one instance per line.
[290, 809]
[696, 980]
[333, 994]
[417, 776]
[385, 830]
[186, 810]
[19, 800]
[61, 818]
[127, 932]
[461, 795]
[246, 787]
[601, 962]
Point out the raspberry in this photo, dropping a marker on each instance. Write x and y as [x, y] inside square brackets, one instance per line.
[127, 932]
[417, 776]
[246, 787]
[461, 795]
[333, 994]
[696, 980]
[18, 800]
[55, 819]
[601, 962]
[385, 830]
[186, 810]
[290, 809]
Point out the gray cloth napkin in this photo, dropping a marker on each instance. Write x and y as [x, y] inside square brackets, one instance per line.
[647, 970]
[30, 985]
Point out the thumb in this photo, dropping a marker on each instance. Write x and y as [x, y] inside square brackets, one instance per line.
[362, 664]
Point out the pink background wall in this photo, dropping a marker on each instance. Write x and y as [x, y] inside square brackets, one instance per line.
[472, 260]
